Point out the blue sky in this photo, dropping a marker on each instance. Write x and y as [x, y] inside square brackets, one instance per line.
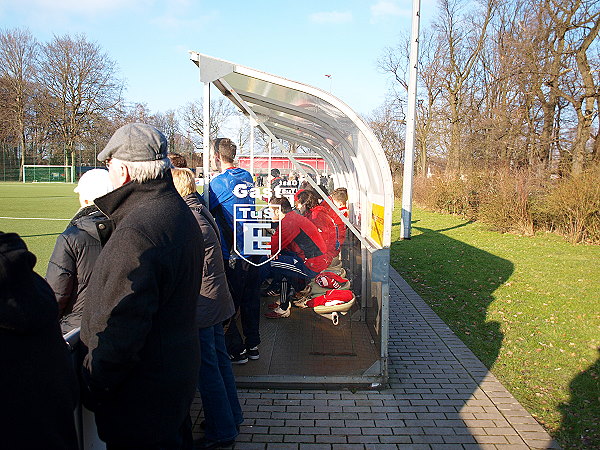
[302, 41]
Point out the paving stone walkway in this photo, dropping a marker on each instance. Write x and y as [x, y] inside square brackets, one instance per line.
[440, 397]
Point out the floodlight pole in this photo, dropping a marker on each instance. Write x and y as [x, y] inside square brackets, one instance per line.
[409, 146]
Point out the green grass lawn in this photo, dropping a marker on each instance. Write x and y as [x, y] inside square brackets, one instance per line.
[37, 201]
[528, 307]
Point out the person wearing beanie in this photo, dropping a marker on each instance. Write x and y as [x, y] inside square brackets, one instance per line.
[38, 385]
[76, 250]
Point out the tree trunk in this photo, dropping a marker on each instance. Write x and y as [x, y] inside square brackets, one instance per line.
[541, 153]
[584, 126]
[454, 163]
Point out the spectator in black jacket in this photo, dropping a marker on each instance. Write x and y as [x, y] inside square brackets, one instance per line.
[38, 387]
[76, 249]
[139, 321]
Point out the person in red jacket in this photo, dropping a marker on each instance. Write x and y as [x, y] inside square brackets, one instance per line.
[302, 254]
[308, 205]
[339, 197]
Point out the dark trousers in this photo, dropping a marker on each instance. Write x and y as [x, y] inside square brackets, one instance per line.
[243, 279]
[181, 441]
[288, 265]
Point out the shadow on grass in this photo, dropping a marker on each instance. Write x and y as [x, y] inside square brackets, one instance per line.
[581, 415]
[458, 281]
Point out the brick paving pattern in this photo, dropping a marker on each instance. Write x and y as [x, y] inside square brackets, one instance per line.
[440, 397]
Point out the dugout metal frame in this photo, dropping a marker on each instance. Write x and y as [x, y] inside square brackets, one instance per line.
[317, 120]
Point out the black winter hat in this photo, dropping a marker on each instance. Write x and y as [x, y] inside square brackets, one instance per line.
[16, 262]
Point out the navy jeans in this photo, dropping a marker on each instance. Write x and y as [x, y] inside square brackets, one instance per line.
[216, 383]
[244, 284]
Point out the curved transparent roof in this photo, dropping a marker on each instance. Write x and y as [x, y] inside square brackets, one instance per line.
[314, 119]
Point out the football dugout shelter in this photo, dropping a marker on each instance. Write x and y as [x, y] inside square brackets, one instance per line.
[306, 349]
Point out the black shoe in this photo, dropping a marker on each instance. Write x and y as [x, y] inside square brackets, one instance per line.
[206, 443]
[253, 353]
[241, 358]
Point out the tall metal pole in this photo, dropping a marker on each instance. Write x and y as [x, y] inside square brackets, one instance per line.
[270, 156]
[409, 148]
[252, 125]
[206, 141]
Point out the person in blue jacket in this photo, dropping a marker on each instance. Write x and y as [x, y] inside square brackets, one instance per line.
[232, 187]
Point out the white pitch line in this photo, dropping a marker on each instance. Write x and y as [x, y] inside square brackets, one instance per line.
[32, 218]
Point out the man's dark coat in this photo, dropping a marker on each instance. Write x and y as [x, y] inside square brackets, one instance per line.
[138, 323]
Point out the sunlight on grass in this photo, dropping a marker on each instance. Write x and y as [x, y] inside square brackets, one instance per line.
[37, 200]
[528, 307]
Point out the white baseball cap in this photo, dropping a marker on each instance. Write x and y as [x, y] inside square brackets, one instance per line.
[93, 184]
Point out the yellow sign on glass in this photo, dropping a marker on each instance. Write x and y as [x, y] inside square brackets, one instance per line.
[377, 212]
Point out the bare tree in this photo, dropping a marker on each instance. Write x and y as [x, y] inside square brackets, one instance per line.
[584, 91]
[388, 124]
[221, 111]
[18, 53]
[81, 83]
[396, 62]
[463, 38]
[242, 132]
[501, 111]
[138, 112]
[543, 46]
[169, 125]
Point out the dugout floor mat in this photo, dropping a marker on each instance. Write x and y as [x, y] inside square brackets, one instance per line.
[307, 344]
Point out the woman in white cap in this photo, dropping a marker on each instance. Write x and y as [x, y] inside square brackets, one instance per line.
[77, 248]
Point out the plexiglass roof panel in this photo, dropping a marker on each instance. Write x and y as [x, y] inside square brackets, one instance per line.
[286, 97]
[311, 118]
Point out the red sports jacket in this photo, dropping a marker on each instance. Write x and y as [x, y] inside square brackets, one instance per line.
[325, 224]
[341, 226]
[301, 236]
